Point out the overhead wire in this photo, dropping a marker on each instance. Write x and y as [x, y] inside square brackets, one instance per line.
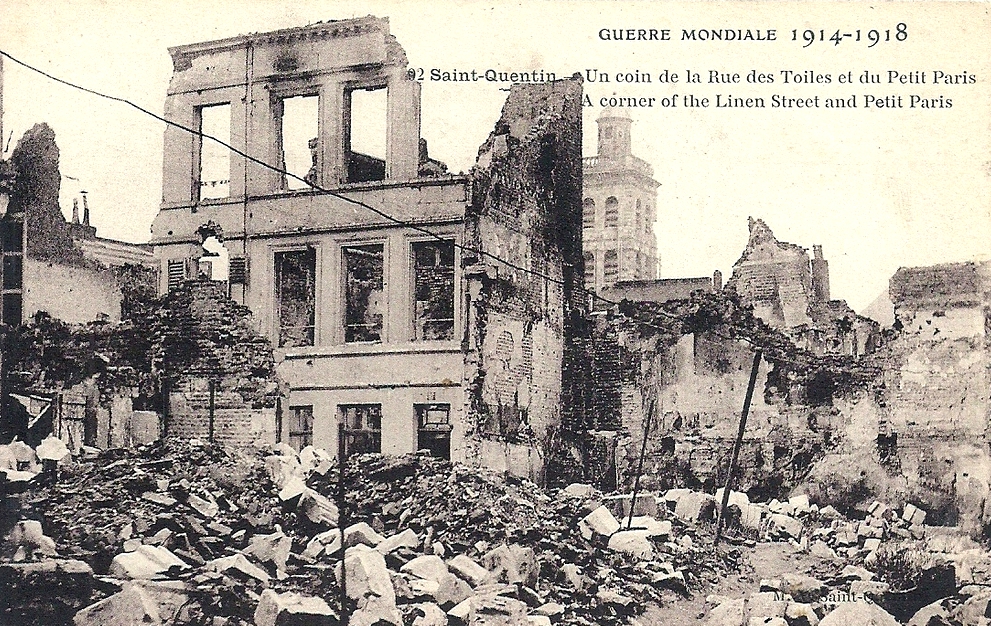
[388, 217]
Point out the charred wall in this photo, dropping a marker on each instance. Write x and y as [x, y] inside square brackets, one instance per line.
[524, 271]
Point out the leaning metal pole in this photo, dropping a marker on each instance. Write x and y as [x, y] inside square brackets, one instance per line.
[643, 453]
[736, 446]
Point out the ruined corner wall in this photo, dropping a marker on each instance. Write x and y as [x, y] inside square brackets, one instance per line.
[937, 405]
[526, 210]
[70, 293]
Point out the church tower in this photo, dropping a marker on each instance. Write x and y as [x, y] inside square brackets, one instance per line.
[619, 208]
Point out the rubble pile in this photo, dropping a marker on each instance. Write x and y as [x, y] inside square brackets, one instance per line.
[185, 533]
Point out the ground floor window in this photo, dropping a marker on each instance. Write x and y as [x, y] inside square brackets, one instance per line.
[434, 429]
[362, 427]
[300, 426]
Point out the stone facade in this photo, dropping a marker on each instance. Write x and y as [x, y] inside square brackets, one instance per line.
[377, 285]
[619, 207]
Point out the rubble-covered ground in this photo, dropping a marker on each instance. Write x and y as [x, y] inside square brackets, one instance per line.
[188, 533]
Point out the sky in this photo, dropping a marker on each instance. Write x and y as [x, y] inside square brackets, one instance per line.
[878, 188]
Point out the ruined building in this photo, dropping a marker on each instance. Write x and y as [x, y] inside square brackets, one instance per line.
[791, 293]
[414, 308]
[49, 264]
[619, 208]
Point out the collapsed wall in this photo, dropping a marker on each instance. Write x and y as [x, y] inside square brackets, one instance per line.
[685, 366]
[523, 266]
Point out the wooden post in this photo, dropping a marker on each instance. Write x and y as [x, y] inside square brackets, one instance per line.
[213, 405]
[643, 453]
[342, 520]
[736, 446]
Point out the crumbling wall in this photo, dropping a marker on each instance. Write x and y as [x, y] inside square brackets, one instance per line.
[526, 210]
[35, 193]
[684, 366]
[71, 293]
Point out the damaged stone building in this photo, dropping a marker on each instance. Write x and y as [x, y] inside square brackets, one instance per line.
[416, 308]
[790, 292]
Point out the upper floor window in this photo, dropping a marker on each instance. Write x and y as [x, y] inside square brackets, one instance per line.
[364, 300]
[295, 295]
[365, 127]
[612, 212]
[297, 128]
[213, 160]
[433, 289]
[588, 213]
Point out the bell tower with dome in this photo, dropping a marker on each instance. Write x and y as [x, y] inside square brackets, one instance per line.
[619, 208]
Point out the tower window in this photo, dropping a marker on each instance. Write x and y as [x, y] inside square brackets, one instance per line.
[590, 271]
[610, 266]
[612, 212]
[588, 213]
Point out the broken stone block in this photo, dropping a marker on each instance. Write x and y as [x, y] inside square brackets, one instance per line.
[146, 562]
[538, 620]
[579, 490]
[872, 544]
[674, 581]
[751, 516]
[728, 613]
[405, 539]
[738, 498]
[695, 506]
[550, 609]
[204, 507]
[622, 503]
[800, 614]
[635, 543]
[820, 549]
[459, 614]
[496, 611]
[292, 609]
[868, 587]
[469, 570]
[858, 614]
[281, 468]
[328, 542]
[26, 540]
[800, 504]
[429, 614]
[361, 533]
[599, 522]
[451, 591]
[659, 529]
[136, 605]
[573, 575]
[802, 588]
[788, 525]
[427, 566]
[764, 605]
[273, 548]
[421, 587]
[935, 614]
[317, 508]
[239, 563]
[606, 595]
[159, 498]
[52, 449]
[293, 487]
[512, 564]
[368, 580]
[853, 572]
[318, 460]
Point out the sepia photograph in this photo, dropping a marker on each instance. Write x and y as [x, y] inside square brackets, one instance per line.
[580, 313]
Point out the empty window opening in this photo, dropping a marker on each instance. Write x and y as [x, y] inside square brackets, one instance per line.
[214, 168]
[590, 271]
[434, 429]
[300, 427]
[610, 266]
[364, 298]
[588, 213]
[362, 428]
[298, 130]
[612, 211]
[215, 262]
[433, 278]
[365, 133]
[295, 294]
